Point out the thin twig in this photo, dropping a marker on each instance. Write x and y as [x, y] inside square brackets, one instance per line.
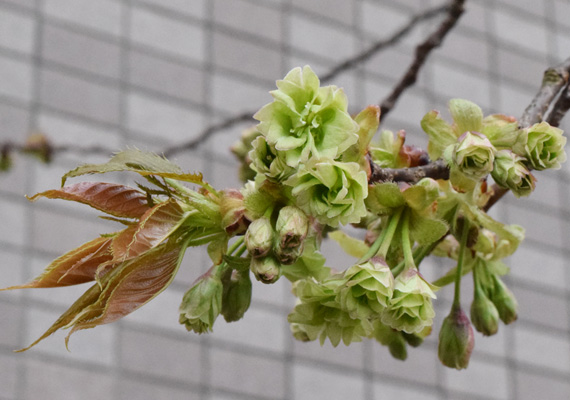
[333, 73]
[206, 133]
[454, 11]
[246, 116]
[383, 43]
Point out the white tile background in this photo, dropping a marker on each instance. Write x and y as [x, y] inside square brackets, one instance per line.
[152, 73]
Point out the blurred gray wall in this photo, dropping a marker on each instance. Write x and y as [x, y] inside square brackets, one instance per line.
[152, 73]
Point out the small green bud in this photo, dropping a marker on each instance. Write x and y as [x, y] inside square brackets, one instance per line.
[241, 150]
[236, 296]
[456, 339]
[232, 209]
[412, 339]
[473, 155]
[5, 158]
[292, 227]
[484, 314]
[398, 348]
[542, 145]
[504, 300]
[202, 304]
[265, 269]
[259, 237]
[391, 338]
[299, 333]
[288, 256]
[510, 172]
[38, 145]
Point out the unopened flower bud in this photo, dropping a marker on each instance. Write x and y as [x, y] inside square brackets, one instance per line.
[288, 256]
[292, 226]
[259, 237]
[202, 304]
[504, 300]
[232, 209]
[484, 314]
[236, 296]
[474, 155]
[456, 339]
[299, 333]
[412, 339]
[398, 348]
[265, 269]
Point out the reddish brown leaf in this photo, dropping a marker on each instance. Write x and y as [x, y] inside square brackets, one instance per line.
[154, 227]
[74, 267]
[125, 288]
[118, 200]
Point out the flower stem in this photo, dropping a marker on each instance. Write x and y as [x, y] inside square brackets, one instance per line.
[382, 243]
[460, 258]
[235, 245]
[406, 246]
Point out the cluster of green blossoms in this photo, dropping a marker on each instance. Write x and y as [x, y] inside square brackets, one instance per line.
[475, 147]
[308, 169]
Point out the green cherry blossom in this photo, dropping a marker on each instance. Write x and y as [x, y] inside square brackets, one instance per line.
[331, 191]
[307, 120]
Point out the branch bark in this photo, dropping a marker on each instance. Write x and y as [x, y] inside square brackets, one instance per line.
[435, 170]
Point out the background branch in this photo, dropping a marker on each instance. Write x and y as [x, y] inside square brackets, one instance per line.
[346, 65]
[454, 12]
[246, 116]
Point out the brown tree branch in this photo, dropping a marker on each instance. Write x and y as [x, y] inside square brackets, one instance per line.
[435, 170]
[454, 12]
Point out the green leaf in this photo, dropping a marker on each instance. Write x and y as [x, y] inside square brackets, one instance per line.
[217, 248]
[310, 264]
[384, 197]
[137, 161]
[512, 234]
[368, 121]
[460, 181]
[439, 132]
[352, 246]
[426, 230]
[466, 115]
[502, 131]
[238, 263]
